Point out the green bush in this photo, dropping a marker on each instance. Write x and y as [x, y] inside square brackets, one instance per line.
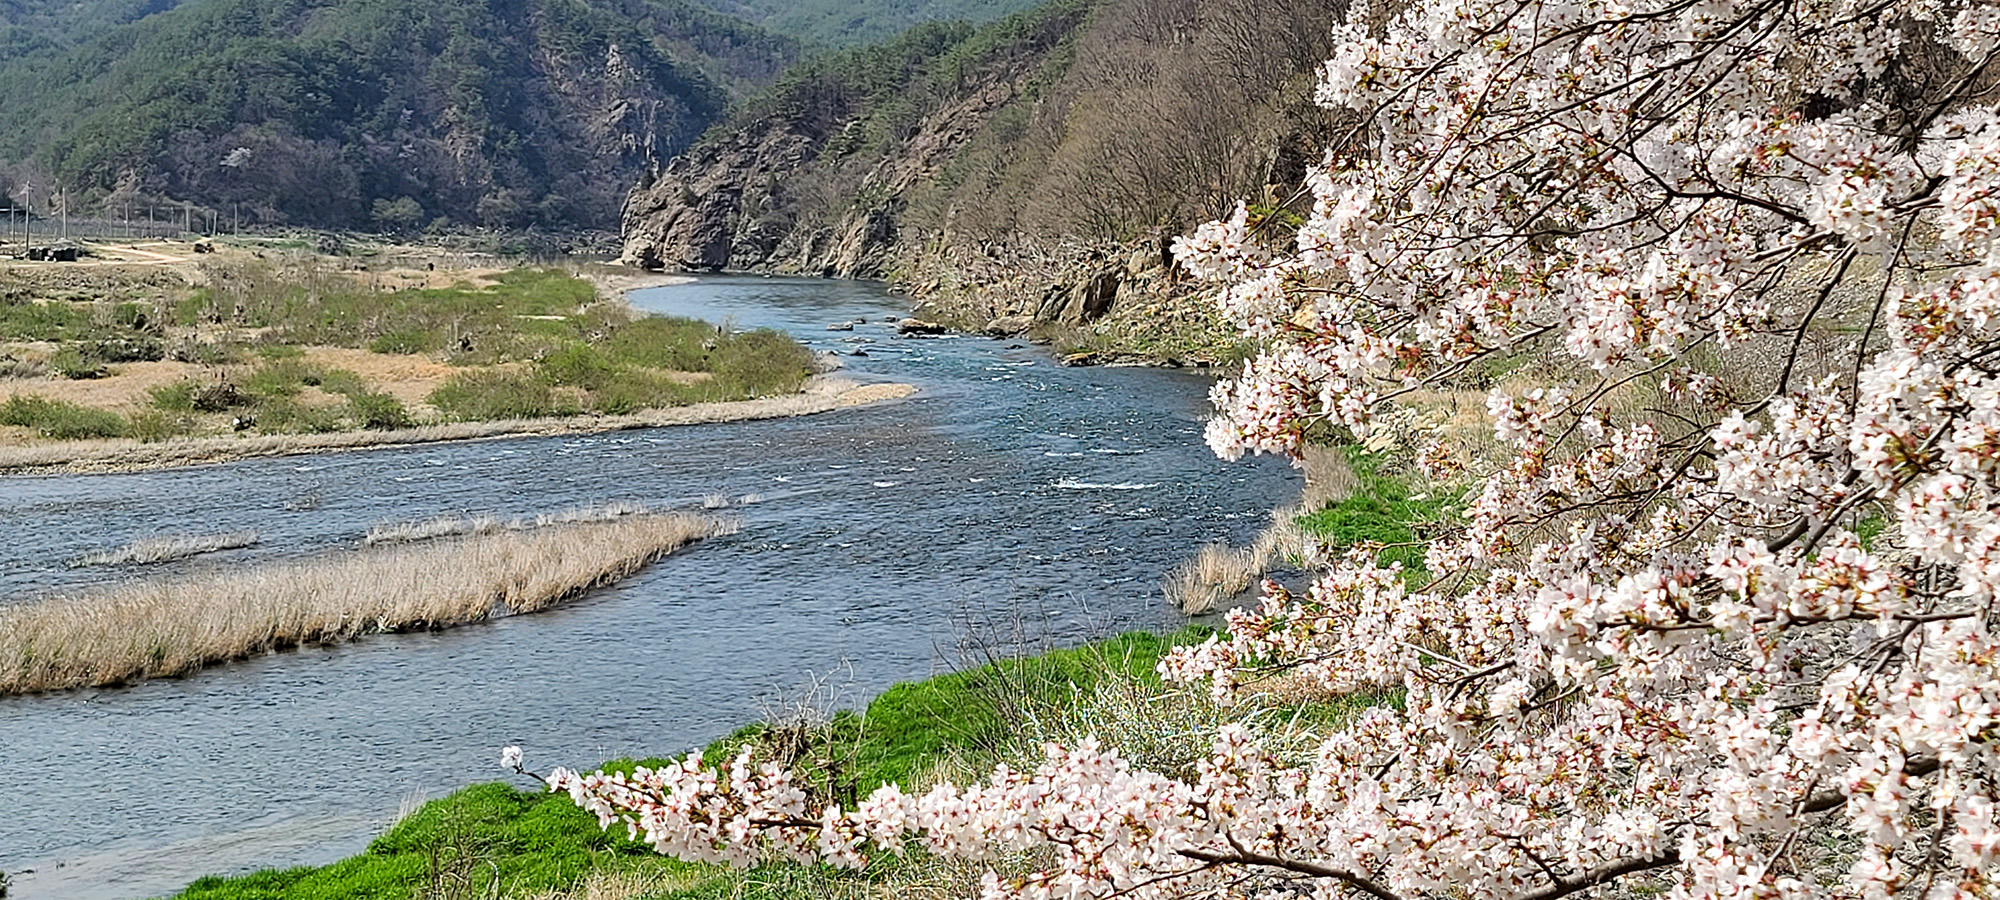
[124, 348]
[198, 306]
[405, 341]
[378, 412]
[75, 363]
[53, 320]
[278, 414]
[761, 362]
[60, 419]
[634, 390]
[133, 317]
[663, 342]
[176, 397]
[280, 351]
[579, 365]
[206, 353]
[283, 378]
[341, 381]
[155, 425]
[494, 394]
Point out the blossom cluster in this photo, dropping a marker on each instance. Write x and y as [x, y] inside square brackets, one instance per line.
[1737, 639]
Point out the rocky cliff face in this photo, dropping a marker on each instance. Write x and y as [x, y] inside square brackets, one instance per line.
[1023, 178]
[765, 199]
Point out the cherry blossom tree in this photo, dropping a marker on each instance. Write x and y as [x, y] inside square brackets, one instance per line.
[1659, 652]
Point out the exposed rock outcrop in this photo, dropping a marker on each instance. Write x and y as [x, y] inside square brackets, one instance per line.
[738, 203]
[1022, 180]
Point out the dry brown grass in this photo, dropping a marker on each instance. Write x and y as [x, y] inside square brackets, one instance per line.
[173, 626]
[167, 548]
[1219, 573]
[646, 881]
[1216, 574]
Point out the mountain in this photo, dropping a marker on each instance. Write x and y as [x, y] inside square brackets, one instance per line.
[851, 23]
[1033, 168]
[365, 113]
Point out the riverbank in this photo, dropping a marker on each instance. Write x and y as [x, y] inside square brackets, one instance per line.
[513, 840]
[898, 514]
[822, 393]
[290, 348]
[173, 626]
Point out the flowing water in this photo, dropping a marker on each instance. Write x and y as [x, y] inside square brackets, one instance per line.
[1010, 499]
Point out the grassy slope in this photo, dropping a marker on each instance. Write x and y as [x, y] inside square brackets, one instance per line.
[535, 842]
[1384, 509]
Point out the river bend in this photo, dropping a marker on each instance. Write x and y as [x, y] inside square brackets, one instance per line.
[1010, 498]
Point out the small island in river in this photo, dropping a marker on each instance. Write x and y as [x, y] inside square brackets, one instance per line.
[152, 355]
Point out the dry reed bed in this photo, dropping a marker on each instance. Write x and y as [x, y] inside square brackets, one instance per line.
[167, 627]
[1219, 574]
[167, 548]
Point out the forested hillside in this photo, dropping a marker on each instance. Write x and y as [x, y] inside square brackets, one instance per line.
[365, 113]
[849, 23]
[1026, 167]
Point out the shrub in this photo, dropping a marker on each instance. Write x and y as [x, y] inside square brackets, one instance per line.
[636, 389]
[405, 341]
[286, 414]
[134, 317]
[497, 394]
[75, 363]
[176, 397]
[156, 425]
[53, 320]
[124, 348]
[579, 365]
[218, 397]
[341, 381]
[205, 353]
[379, 412]
[60, 419]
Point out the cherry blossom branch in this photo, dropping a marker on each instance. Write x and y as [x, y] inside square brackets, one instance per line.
[1242, 857]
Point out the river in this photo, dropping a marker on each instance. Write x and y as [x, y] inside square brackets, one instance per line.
[1010, 500]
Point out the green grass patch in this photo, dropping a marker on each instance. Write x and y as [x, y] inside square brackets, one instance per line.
[154, 425]
[77, 363]
[377, 411]
[61, 419]
[497, 394]
[482, 324]
[50, 320]
[485, 840]
[493, 840]
[1383, 509]
[538, 343]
